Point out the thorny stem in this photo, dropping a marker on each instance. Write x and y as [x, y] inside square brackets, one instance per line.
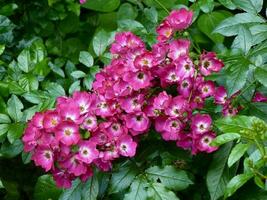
[162, 6]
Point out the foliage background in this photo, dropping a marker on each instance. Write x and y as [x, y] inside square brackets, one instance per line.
[50, 48]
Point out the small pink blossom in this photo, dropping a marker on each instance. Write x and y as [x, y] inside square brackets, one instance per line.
[180, 19]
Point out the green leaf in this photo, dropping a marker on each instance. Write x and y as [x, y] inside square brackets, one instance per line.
[75, 86]
[4, 119]
[259, 33]
[131, 25]
[15, 131]
[218, 173]
[236, 76]
[26, 157]
[46, 188]
[235, 124]
[261, 75]
[2, 49]
[230, 26]
[74, 192]
[224, 138]
[236, 182]
[102, 5]
[170, 177]
[11, 150]
[157, 191]
[137, 190]
[8, 9]
[243, 40]
[14, 108]
[86, 59]
[100, 42]
[207, 23]
[3, 129]
[228, 4]
[206, 5]
[90, 189]
[78, 74]
[237, 152]
[24, 61]
[56, 69]
[123, 178]
[151, 14]
[250, 6]
[258, 109]
[55, 90]
[126, 11]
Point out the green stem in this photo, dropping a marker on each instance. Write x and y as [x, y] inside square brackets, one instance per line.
[162, 6]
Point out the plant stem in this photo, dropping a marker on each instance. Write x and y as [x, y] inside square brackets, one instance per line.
[162, 6]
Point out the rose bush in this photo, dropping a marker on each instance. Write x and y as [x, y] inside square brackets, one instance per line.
[140, 120]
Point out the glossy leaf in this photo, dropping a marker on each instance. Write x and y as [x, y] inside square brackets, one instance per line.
[224, 138]
[46, 188]
[218, 173]
[237, 152]
[236, 182]
[170, 177]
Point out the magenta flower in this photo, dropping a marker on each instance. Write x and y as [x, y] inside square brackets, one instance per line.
[209, 63]
[87, 152]
[259, 97]
[137, 122]
[127, 146]
[203, 143]
[51, 120]
[201, 123]
[43, 157]
[179, 48]
[220, 95]
[68, 133]
[82, 1]
[180, 19]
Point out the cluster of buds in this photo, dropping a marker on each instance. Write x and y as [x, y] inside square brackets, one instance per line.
[141, 89]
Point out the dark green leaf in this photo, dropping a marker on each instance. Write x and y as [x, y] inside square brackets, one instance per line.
[218, 173]
[15, 131]
[137, 190]
[100, 42]
[236, 76]
[230, 26]
[250, 6]
[4, 119]
[102, 5]
[237, 152]
[170, 177]
[78, 74]
[11, 150]
[123, 178]
[86, 58]
[236, 182]
[74, 192]
[46, 188]
[228, 4]
[261, 75]
[207, 23]
[157, 191]
[75, 86]
[224, 138]
[126, 11]
[243, 40]
[90, 189]
[14, 108]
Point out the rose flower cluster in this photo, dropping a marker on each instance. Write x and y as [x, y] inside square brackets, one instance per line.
[162, 88]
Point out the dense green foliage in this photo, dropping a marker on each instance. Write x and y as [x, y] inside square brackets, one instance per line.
[50, 48]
